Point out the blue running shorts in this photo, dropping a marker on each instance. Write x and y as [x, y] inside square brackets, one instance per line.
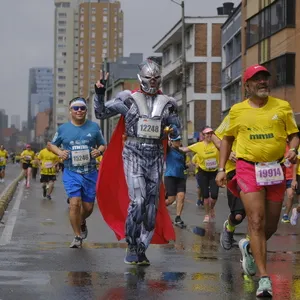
[80, 185]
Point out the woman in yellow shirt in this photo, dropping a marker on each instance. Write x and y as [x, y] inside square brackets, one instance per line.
[208, 165]
[27, 156]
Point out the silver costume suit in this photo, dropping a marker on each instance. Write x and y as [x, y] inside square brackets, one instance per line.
[146, 116]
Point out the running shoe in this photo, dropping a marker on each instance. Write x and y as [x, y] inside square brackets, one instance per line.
[206, 219]
[142, 258]
[49, 197]
[285, 219]
[248, 262]
[77, 242]
[84, 230]
[131, 257]
[226, 238]
[264, 288]
[294, 217]
[178, 221]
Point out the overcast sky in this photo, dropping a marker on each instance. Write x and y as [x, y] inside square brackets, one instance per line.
[27, 38]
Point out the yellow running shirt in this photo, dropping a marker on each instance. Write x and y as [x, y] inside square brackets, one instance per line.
[261, 132]
[3, 156]
[48, 160]
[220, 132]
[28, 156]
[208, 155]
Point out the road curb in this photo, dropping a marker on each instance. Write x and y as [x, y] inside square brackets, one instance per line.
[8, 194]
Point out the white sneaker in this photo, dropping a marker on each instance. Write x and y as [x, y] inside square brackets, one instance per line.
[294, 217]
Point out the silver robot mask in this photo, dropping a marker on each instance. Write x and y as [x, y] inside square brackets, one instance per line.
[149, 76]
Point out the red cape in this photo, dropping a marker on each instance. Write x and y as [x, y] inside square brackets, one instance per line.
[112, 193]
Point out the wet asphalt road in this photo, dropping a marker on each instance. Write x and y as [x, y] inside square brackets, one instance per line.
[36, 263]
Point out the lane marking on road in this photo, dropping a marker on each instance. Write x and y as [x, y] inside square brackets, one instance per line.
[12, 218]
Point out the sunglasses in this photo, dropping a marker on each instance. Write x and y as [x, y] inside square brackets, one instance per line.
[76, 108]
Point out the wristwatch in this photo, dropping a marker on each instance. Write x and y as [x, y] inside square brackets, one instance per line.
[221, 170]
[295, 150]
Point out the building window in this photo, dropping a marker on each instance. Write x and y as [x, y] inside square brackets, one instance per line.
[61, 30]
[105, 35]
[81, 50]
[82, 19]
[93, 59]
[93, 10]
[61, 77]
[178, 50]
[61, 94]
[93, 26]
[166, 56]
[62, 15]
[81, 34]
[82, 10]
[60, 101]
[105, 19]
[60, 70]
[61, 85]
[81, 42]
[233, 94]
[93, 19]
[82, 26]
[93, 43]
[275, 17]
[166, 88]
[188, 38]
[93, 50]
[282, 69]
[81, 59]
[105, 10]
[93, 35]
[238, 44]
[104, 43]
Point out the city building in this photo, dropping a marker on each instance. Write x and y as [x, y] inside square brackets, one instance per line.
[87, 34]
[3, 119]
[15, 121]
[40, 94]
[65, 50]
[232, 60]
[41, 128]
[271, 38]
[203, 64]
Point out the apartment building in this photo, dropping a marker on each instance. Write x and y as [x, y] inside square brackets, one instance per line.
[232, 60]
[203, 57]
[65, 49]
[87, 32]
[271, 38]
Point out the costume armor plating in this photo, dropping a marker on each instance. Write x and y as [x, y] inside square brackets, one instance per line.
[146, 113]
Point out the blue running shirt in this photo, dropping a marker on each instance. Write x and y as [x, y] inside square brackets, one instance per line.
[175, 163]
[79, 140]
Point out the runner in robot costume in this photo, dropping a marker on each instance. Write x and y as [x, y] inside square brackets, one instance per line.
[147, 113]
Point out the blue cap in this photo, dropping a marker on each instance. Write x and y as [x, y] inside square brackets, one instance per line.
[175, 138]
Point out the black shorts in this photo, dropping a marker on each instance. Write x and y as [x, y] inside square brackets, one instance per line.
[208, 185]
[174, 185]
[235, 204]
[25, 166]
[298, 186]
[47, 178]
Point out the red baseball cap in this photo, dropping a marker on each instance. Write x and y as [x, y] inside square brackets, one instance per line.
[252, 70]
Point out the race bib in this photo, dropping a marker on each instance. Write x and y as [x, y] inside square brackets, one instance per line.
[48, 164]
[1, 158]
[211, 164]
[149, 128]
[269, 173]
[28, 157]
[80, 157]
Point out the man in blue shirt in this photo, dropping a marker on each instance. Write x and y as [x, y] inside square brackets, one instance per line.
[175, 175]
[82, 141]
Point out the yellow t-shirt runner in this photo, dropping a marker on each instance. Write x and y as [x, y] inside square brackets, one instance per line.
[261, 133]
[48, 162]
[35, 161]
[220, 132]
[28, 156]
[208, 155]
[3, 156]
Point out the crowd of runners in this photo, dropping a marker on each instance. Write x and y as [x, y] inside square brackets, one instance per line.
[253, 153]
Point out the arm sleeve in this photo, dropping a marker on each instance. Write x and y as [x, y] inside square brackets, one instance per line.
[290, 122]
[57, 139]
[231, 128]
[173, 118]
[194, 147]
[100, 138]
[119, 105]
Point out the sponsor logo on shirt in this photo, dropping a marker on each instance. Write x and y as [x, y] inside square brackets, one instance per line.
[261, 136]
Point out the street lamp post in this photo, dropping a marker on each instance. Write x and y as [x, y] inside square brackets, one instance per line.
[183, 60]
